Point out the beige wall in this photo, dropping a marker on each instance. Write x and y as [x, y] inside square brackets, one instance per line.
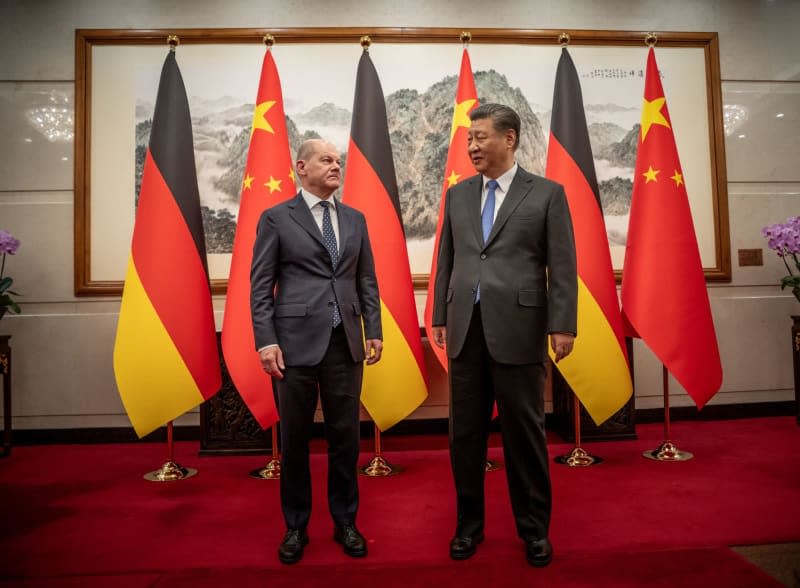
[62, 345]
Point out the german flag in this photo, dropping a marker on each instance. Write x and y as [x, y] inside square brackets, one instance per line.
[597, 369]
[458, 168]
[394, 386]
[268, 180]
[165, 355]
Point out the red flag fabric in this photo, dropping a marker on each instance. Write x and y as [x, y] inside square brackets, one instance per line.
[268, 180]
[166, 359]
[396, 385]
[664, 295]
[458, 168]
[597, 369]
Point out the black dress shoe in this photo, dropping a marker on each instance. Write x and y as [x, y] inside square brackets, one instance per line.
[539, 552]
[465, 547]
[291, 548]
[353, 542]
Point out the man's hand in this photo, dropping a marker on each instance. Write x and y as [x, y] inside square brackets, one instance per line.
[374, 349]
[439, 336]
[272, 360]
[562, 344]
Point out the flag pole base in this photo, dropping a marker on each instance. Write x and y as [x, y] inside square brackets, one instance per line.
[492, 465]
[668, 452]
[170, 472]
[271, 471]
[379, 468]
[578, 458]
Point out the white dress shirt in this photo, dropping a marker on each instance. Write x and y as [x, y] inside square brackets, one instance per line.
[313, 201]
[500, 192]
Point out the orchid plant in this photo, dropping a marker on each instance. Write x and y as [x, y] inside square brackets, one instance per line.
[8, 246]
[784, 239]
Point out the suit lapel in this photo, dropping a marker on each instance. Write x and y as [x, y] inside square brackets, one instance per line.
[300, 213]
[474, 189]
[343, 213]
[520, 186]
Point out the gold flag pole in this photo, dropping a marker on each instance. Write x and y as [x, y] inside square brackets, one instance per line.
[379, 467]
[170, 471]
[667, 450]
[578, 457]
[271, 471]
[492, 465]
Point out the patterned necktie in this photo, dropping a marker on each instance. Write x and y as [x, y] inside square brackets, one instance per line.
[329, 239]
[487, 220]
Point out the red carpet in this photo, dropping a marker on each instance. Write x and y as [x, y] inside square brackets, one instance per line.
[83, 516]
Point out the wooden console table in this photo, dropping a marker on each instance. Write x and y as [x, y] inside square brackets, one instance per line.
[796, 362]
[226, 424]
[5, 370]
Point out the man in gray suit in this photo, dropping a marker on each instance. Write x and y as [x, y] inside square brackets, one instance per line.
[313, 287]
[506, 278]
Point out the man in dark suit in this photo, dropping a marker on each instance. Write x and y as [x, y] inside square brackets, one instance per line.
[506, 278]
[313, 287]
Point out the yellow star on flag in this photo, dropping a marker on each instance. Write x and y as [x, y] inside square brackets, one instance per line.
[461, 116]
[452, 179]
[273, 185]
[651, 115]
[678, 178]
[260, 117]
[247, 182]
[291, 174]
[651, 174]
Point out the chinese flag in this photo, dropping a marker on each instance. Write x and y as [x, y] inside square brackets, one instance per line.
[396, 385]
[664, 296]
[166, 359]
[597, 369]
[268, 180]
[459, 167]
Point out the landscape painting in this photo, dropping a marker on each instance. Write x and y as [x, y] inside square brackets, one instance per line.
[419, 84]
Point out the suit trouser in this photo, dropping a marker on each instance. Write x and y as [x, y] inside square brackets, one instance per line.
[476, 382]
[337, 382]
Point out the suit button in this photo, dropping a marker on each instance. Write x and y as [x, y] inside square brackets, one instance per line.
[333, 280]
[483, 256]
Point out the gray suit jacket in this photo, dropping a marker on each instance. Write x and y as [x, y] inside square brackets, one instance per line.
[293, 286]
[526, 269]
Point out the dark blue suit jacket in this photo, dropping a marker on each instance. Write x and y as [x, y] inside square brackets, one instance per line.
[294, 287]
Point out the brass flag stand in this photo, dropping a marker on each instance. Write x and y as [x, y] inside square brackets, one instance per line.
[170, 471]
[578, 457]
[379, 467]
[493, 465]
[271, 471]
[667, 450]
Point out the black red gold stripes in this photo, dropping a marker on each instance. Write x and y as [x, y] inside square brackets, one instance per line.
[165, 355]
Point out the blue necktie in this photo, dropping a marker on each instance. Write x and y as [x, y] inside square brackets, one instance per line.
[487, 219]
[329, 239]
[487, 216]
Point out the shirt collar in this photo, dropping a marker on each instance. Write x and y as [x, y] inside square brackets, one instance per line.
[312, 199]
[504, 180]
